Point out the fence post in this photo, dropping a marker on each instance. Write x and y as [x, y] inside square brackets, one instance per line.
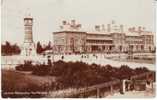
[123, 86]
[98, 92]
[111, 89]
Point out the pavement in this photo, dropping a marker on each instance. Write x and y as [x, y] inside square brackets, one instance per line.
[98, 59]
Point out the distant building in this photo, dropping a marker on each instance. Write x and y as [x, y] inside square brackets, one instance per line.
[28, 48]
[110, 39]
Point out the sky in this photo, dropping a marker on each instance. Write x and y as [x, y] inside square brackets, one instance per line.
[48, 15]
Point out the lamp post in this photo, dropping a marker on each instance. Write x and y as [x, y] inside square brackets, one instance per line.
[52, 55]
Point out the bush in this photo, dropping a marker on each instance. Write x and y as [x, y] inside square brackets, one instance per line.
[41, 70]
[141, 70]
[80, 74]
[125, 72]
[27, 66]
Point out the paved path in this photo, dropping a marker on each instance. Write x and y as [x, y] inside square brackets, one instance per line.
[100, 59]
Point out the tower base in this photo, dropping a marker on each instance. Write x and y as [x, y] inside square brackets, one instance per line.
[28, 49]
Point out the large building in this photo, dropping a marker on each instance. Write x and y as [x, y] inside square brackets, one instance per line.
[110, 38]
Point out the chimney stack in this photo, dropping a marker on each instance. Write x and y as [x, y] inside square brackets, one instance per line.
[97, 27]
[103, 27]
[133, 29]
[121, 28]
[78, 26]
[113, 22]
[64, 22]
[139, 29]
[73, 22]
[108, 27]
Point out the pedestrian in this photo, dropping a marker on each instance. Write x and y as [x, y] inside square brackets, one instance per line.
[62, 57]
[82, 56]
[49, 61]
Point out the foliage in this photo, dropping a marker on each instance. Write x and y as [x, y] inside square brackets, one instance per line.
[41, 70]
[40, 49]
[8, 49]
[80, 74]
[27, 66]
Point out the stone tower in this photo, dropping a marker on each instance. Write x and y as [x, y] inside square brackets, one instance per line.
[28, 48]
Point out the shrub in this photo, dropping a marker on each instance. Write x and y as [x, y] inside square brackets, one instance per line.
[27, 66]
[141, 70]
[41, 70]
[80, 74]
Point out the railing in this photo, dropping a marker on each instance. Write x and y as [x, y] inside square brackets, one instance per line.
[104, 89]
[146, 76]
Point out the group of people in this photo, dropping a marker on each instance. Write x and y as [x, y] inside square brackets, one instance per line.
[49, 60]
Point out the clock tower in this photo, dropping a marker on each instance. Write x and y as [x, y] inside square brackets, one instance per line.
[28, 48]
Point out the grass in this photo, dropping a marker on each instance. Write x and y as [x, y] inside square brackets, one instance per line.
[13, 81]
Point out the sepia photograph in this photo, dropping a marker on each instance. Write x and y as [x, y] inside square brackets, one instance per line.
[78, 49]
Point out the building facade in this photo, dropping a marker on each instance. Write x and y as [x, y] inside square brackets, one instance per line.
[110, 39]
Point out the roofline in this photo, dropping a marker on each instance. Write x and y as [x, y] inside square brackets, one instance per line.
[28, 18]
[95, 33]
[69, 32]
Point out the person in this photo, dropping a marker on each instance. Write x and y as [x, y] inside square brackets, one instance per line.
[62, 57]
[49, 61]
[96, 56]
[82, 56]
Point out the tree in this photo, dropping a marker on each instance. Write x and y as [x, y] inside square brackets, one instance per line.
[16, 49]
[39, 48]
[48, 47]
[8, 49]
[3, 49]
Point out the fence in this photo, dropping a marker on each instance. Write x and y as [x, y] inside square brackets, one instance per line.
[105, 89]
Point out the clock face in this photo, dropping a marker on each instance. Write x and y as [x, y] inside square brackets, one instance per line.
[28, 22]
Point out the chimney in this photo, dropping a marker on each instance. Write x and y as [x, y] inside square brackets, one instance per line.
[61, 27]
[64, 22]
[73, 22]
[78, 26]
[108, 28]
[97, 27]
[121, 28]
[103, 27]
[113, 22]
[133, 29]
[139, 29]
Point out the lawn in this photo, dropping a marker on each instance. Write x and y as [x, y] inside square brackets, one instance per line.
[14, 81]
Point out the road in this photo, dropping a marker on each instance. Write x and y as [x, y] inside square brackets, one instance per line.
[11, 61]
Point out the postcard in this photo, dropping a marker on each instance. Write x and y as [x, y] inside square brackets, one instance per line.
[78, 49]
